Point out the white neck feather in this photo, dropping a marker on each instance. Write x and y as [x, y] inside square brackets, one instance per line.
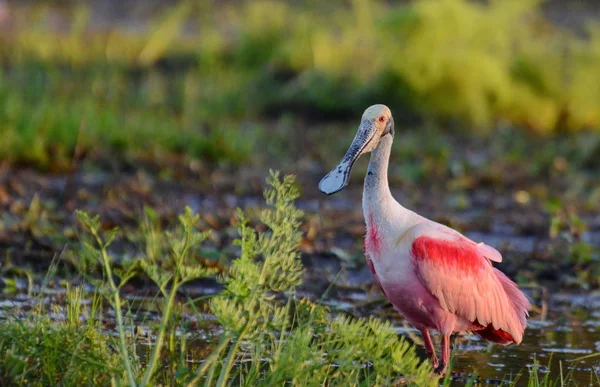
[379, 206]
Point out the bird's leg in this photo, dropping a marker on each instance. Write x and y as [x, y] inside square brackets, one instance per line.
[441, 369]
[429, 347]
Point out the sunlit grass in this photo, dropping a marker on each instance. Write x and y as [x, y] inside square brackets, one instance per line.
[67, 89]
[451, 59]
[61, 113]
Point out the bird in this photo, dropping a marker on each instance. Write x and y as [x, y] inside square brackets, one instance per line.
[437, 278]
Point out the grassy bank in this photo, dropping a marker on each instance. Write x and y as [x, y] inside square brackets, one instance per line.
[199, 79]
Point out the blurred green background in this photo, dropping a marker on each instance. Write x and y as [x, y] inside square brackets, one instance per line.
[217, 80]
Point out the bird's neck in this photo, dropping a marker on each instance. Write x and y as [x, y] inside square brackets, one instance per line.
[377, 189]
[381, 210]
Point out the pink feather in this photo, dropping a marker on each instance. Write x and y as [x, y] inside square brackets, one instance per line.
[465, 284]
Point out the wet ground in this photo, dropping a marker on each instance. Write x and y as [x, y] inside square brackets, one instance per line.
[38, 227]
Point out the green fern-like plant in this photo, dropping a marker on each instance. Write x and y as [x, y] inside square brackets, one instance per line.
[297, 342]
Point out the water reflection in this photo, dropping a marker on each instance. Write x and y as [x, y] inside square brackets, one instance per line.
[550, 345]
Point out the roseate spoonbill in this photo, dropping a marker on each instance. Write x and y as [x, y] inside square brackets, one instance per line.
[433, 275]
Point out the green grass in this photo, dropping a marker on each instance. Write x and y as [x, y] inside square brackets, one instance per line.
[39, 352]
[64, 114]
[202, 92]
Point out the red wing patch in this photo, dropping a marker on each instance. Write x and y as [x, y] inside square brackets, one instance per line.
[457, 255]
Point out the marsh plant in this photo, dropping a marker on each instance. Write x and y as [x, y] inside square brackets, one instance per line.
[268, 336]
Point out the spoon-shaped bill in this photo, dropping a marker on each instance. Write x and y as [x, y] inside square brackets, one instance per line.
[338, 177]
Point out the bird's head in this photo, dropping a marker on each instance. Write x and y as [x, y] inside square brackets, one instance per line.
[376, 123]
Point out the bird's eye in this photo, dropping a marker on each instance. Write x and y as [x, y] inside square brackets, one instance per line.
[381, 119]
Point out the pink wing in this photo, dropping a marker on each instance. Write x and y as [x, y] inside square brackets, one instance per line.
[489, 252]
[458, 274]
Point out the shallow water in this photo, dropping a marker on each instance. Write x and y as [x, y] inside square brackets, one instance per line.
[553, 345]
